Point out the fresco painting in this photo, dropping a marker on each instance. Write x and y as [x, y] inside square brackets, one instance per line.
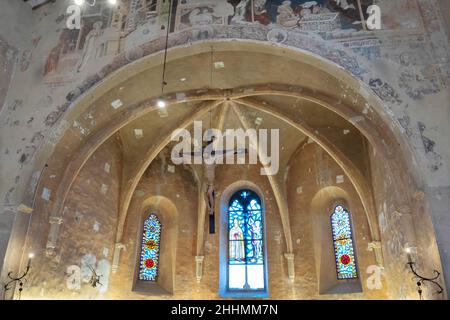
[108, 31]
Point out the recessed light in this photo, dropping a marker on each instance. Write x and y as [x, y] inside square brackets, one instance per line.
[219, 65]
[112, 2]
[79, 2]
[161, 103]
[183, 79]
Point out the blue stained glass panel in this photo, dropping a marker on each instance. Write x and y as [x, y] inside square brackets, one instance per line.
[150, 249]
[343, 244]
[246, 245]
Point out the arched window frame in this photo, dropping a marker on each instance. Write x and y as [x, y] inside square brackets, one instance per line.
[224, 289]
[344, 236]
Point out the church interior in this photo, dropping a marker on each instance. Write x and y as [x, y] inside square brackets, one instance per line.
[238, 149]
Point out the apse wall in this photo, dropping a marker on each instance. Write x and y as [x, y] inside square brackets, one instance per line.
[315, 183]
[84, 236]
[405, 65]
[86, 233]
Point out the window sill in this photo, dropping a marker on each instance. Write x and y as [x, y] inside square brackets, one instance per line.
[244, 294]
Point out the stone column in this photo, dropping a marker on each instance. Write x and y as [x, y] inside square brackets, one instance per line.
[116, 257]
[55, 223]
[199, 267]
[290, 265]
[375, 246]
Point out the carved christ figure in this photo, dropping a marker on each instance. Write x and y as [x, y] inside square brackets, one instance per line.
[209, 174]
[210, 197]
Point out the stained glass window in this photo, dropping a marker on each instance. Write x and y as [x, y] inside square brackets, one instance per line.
[245, 242]
[150, 249]
[343, 244]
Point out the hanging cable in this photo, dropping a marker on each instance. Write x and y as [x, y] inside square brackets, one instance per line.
[169, 20]
[211, 81]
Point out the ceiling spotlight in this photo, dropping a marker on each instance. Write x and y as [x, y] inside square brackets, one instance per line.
[79, 2]
[161, 103]
[112, 2]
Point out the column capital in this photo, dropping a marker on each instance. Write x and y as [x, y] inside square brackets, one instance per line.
[375, 244]
[290, 264]
[199, 267]
[55, 220]
[118, 246]
[289, 256]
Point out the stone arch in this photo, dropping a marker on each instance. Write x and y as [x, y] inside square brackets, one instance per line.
[380, 128]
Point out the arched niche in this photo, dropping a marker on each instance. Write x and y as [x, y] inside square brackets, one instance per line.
[167, 214]
[322, 207]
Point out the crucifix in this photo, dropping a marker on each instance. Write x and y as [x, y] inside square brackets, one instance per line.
[211, 157]
[209, 173]
[209, 168]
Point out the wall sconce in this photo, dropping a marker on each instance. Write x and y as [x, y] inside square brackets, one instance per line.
[95, 279]
[21, 279]
[420, 279]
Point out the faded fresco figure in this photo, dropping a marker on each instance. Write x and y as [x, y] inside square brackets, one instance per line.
[52, 61]
[344, 5]
[286, 15]
[90, 45]
[201, 19]
[241, 9]
[201, 16]
[308, 8]
[260, 12]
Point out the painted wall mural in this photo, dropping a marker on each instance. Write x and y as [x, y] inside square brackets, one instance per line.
[106, 32]
[7, 59]
[110, 37]
[320, 15]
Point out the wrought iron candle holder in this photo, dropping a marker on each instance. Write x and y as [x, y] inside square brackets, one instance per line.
[20, 279]
[95, 279]
[421, 279]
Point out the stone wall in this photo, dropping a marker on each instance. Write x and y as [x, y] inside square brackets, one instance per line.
[86, 234]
